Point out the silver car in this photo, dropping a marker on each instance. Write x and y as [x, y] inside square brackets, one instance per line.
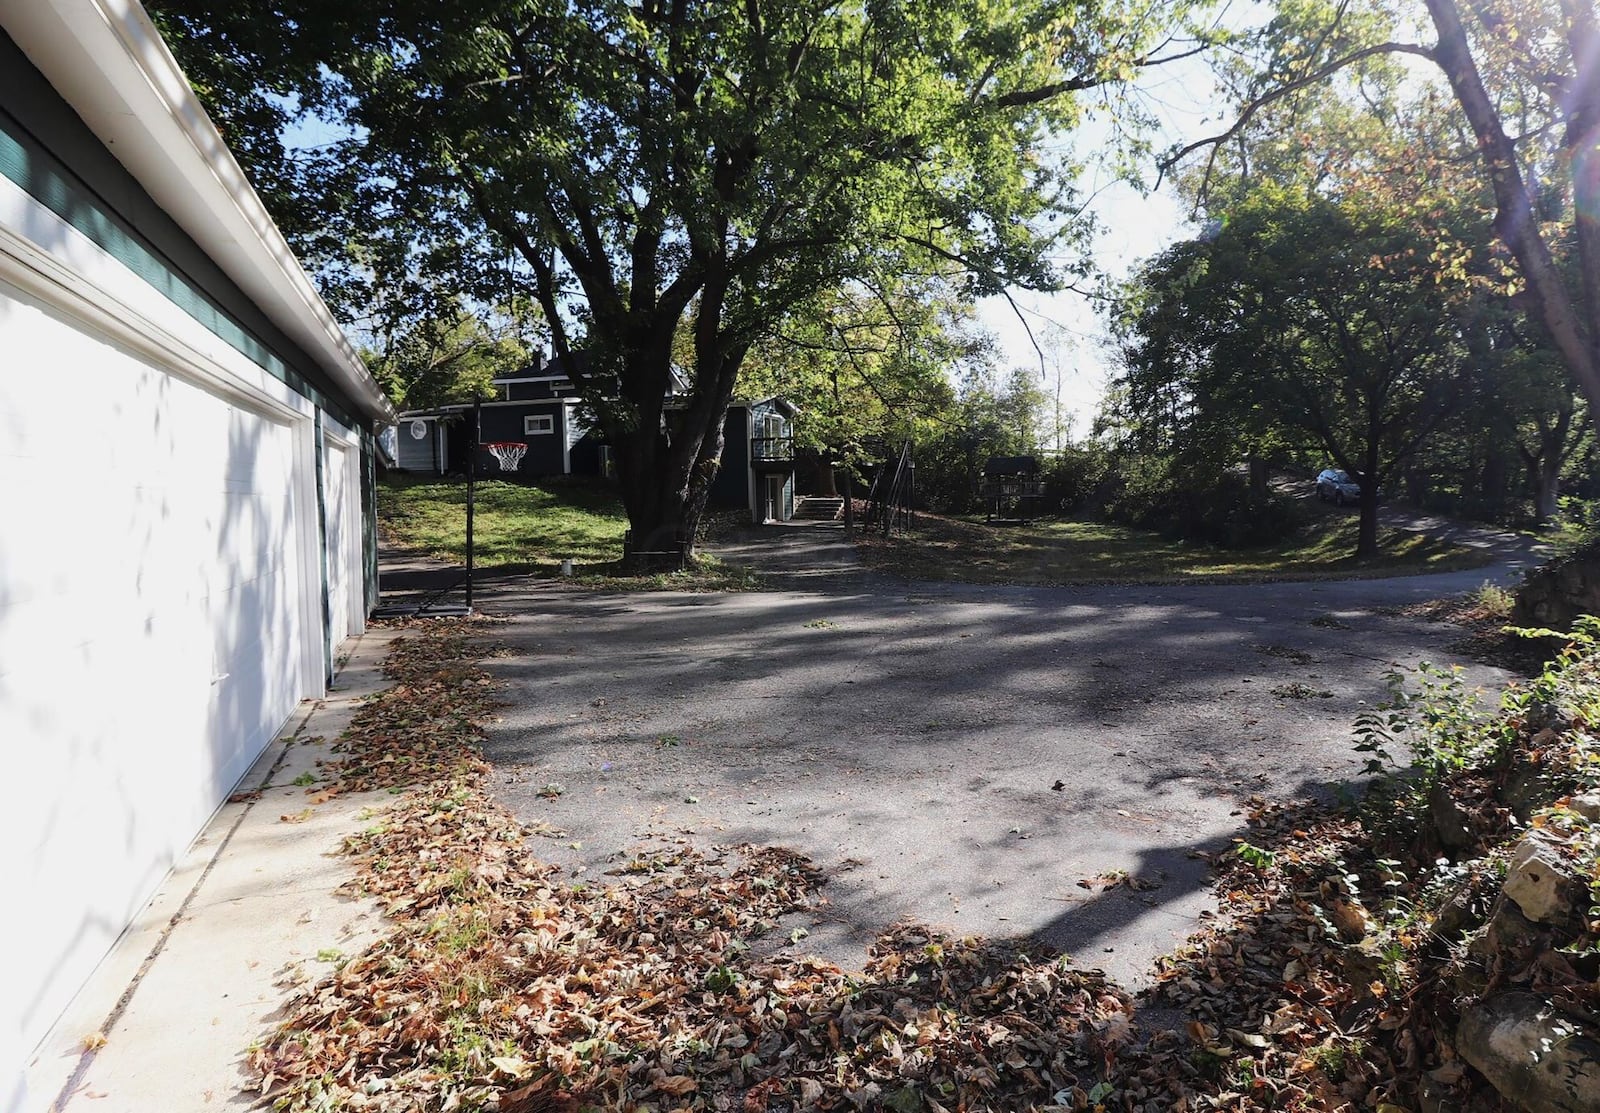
[1337, 487]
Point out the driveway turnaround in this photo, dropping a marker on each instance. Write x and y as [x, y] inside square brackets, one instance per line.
[1001, 761]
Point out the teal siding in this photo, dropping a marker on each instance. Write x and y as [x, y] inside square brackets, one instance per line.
[134, 230]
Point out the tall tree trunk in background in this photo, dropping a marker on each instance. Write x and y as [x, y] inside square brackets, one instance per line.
[1545, 462]
[1416, 486]
[822, 480]
[1367, 531]
[1547, 493]
[1544, 475]
[1515, 222]
[1494, 483]
[1258, 477]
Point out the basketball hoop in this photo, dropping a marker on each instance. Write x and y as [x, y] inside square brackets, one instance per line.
[508, 453]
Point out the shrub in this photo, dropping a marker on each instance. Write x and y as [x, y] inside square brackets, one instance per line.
[1191, 505]
[1079, 479]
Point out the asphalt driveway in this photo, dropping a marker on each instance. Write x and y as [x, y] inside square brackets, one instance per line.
[910, 739]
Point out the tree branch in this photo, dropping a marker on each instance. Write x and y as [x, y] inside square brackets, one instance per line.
[1020, 98]
[1274, 95]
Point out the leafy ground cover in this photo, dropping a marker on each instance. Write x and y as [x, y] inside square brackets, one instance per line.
[1483, 614]
[503, 986]
[532, 529]
[1347, 945]
[1074, 552]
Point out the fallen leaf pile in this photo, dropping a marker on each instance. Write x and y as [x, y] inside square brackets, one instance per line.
[1485, 635]
[425, 727]
[504, 986]
[1284, 998]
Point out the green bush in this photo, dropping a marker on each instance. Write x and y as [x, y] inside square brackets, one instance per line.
[1079, 480]
[1202, 507]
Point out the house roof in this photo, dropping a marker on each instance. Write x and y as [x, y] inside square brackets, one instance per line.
[1011, 465]
[106, 60]
[777, 400]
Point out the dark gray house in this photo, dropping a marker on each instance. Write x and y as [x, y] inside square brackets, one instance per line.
[538, 407]
[757, 460]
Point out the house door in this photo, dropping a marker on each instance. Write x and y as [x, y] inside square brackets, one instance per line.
[773, 510]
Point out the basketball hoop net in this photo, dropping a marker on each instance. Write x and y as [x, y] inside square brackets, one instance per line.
[508, 453]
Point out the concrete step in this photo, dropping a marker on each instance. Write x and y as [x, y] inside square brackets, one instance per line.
[817, 508]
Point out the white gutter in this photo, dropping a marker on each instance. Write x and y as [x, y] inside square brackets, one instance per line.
[106, 60]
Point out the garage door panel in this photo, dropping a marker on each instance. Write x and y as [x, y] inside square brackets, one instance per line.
[151, 631]
[337, 512]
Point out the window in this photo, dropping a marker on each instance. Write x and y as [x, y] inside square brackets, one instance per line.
[535, 424]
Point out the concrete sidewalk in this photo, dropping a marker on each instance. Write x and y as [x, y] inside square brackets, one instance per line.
[249, 913]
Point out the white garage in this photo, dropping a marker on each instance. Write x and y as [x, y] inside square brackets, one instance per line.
[185, 475]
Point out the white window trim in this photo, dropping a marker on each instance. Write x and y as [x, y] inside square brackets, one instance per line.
[528, 425]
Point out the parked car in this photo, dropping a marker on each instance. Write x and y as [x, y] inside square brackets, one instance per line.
[1337, 487]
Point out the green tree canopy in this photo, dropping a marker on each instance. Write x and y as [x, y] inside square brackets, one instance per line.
[1526, 93]
[636, 164]
[453, 356]
[1300, 316]
[868, 369]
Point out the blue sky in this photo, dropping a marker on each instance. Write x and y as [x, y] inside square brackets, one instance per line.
[1134, 225]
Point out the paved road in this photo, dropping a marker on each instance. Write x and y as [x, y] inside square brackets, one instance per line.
[908, 738]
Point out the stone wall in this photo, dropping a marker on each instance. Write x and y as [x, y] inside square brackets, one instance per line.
[1556, 594]
[1538, 1051]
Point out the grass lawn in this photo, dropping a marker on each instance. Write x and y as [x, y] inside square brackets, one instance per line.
[1071, 552]
[532, 529]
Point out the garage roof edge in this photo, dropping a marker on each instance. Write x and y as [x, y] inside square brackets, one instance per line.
[106, 60]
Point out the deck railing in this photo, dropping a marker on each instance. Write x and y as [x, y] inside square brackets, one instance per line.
[772, 448]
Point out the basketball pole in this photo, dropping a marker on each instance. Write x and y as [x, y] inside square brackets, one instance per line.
[472, 484]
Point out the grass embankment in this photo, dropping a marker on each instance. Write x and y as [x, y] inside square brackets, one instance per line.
[1072, 552]
[532, 529]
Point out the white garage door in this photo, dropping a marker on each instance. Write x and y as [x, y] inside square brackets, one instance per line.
[152, 631]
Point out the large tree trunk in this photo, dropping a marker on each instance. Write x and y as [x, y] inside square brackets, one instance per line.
[656, 496]
[665, 487]
[1515, 221]
[666, 459]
